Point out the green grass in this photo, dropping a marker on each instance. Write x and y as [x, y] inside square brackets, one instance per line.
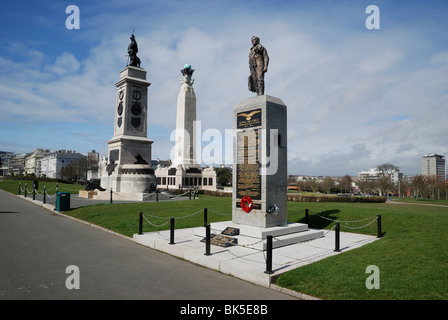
[124, 217]
[13, 186]
[412, 256]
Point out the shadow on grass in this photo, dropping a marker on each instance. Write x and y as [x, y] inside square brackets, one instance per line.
[319, 220]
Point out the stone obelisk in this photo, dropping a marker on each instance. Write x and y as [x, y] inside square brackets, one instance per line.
[185, 170]
[185, 148]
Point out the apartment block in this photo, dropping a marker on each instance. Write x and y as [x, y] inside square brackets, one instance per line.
[434, 164]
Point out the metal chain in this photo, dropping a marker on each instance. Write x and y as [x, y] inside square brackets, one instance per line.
[49, 195]
[354, 228]
[189, 215]
[341, 221]
[149, 194]
[155, 225]
[298, 212]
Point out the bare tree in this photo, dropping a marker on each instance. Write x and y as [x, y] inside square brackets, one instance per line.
[419, 184]
[386, 171]
[327, 184]
[346, 183]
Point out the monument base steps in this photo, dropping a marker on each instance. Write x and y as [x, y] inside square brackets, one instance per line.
[255, 237]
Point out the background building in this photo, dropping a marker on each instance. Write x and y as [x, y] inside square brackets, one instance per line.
[434, 164]
[52, 164]
[16, 164]
[33, 161]
[374, 175]
[93, 160]
[4, 162]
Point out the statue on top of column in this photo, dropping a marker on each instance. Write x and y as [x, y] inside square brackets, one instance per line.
[132, 52]
[258, 66]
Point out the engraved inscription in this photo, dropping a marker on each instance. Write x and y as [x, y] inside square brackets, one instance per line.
[248, 165]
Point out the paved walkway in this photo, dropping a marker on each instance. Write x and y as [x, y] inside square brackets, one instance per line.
[418, 204]
[37, 246]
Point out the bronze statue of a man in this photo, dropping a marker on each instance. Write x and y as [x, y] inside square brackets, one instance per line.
[132, 51]
[258, 65]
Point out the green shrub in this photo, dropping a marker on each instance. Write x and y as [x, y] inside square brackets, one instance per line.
[323, 198]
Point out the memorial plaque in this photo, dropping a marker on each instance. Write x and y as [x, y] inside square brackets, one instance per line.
[249, 119]
[114, 155]
[248, 165]
[221, 240]
[229, 231]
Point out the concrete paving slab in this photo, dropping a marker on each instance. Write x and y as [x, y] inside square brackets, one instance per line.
[246, 262]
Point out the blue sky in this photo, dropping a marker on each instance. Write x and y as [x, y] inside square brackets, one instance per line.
[356, 97]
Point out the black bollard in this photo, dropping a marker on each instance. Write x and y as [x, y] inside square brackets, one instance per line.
[25, 189]
[140, 223]
[171, 230]
[157, 195]
[337, 244]
[379, 227]
[207, 240]
[110, 195]
[205, 217]
[307, 211]
[269, 255]
[20, 187]
[34, 193]
[45, 194]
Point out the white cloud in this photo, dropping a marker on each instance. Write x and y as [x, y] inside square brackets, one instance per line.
[65, 64]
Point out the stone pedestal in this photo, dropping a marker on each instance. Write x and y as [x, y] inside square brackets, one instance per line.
[87, 194]
[260, 162]
[129, 168]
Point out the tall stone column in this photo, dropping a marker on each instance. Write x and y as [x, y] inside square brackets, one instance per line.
[185, 148]
[129, 168]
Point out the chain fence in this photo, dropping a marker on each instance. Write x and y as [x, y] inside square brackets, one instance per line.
[265, 246]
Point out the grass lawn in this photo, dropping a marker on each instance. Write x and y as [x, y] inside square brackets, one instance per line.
[13, 186]
[124, 217]
[412, 256]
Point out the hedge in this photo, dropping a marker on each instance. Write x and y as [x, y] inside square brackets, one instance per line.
[311, 198]
[306, 198]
